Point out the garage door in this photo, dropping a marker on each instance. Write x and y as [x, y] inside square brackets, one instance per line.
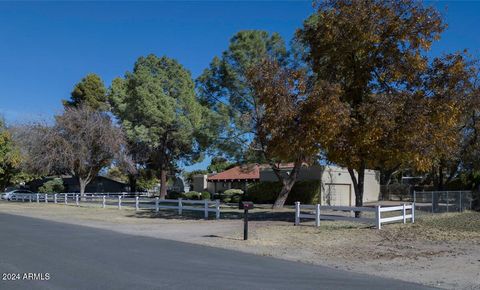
[337, 194]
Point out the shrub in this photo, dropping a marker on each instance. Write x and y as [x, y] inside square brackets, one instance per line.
[230, 195]
[307, 191]
[175, 194]
[233, 191]
[192, 195]
[52, 186]
[205, 195]
[236, 198]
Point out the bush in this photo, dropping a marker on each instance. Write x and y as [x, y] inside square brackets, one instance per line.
[205, 195]
[194, 195]
[52, 186]
[230, 195]
[175, 194]
[233, 191]
[307, 191]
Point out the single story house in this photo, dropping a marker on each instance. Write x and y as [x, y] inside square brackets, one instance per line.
[337, 186]
[99, 184]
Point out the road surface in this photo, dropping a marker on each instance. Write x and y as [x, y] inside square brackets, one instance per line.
[76, 257]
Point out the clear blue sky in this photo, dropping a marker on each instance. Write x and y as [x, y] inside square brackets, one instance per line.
[45, 48]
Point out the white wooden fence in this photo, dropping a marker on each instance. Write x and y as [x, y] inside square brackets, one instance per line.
[322, 212]
[206, 206]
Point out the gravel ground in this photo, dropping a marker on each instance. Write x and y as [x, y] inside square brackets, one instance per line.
[441, 250]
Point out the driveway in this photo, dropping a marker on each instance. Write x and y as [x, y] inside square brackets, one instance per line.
[77, 257]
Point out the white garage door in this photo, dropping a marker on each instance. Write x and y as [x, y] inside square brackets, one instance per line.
[337, 194]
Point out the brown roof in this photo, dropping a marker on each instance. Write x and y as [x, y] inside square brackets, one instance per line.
[244, 172]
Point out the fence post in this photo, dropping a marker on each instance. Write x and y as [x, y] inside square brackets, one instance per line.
[23, 197]
[38, 198]
[30, 198]
[76, 200]
[460, 209]
[217, 209]
[447, 201]
[55, 198]
[297, 213]
[66, 198]
[119, 202]
[378, 217]
[317, 215]
[180, 206]
[156, 204]
[205, 202]
[404, 211]
[46, 198]
[413, 213]
[104, 201]
[432, 201]
[136, 203]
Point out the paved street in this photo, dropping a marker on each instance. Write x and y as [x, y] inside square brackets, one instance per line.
[78, 257]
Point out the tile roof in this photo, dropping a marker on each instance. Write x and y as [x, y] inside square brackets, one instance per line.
[244, 172]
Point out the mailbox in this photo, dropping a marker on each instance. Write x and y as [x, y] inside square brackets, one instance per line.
[245, 205]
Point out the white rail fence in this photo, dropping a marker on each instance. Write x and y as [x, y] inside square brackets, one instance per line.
[323, 212]
[206, 206]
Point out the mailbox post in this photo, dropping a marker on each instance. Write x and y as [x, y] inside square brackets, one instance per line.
[245, 205]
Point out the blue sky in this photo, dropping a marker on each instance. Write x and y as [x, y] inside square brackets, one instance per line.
[46, 47]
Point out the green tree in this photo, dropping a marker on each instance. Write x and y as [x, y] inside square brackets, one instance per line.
[161, 115]
[52, 186]
[10, 157]
[219, 164]
[375, 52]
[224, 87]
[90, 91]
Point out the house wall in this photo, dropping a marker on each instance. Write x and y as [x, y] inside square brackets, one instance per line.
[336, 180]
[305, 173]
[337, 186]
[199, 183]
[220, 186]
[98, 184]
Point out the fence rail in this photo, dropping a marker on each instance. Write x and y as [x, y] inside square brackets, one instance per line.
[317, 212]
[139, 202]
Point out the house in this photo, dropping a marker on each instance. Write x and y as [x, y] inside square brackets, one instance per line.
[336, 189]
[99, 184]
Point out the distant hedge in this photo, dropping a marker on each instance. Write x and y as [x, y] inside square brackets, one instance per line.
[189, 195]
[266, 192]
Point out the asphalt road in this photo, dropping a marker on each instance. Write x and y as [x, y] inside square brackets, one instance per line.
[78, 257]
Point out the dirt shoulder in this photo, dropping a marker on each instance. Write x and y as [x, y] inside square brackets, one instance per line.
[441, 250]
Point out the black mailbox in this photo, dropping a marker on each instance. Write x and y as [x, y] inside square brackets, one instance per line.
[245, 205]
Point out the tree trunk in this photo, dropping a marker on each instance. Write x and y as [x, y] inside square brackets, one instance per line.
[132, 182]
[83, 184]
[163, 184]
[287, 184]
[358, 185]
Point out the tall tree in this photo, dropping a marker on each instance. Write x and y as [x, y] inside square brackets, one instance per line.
[229, 87]
[81, 142]
[224, 87]
[375, 52]
[219, 164]
[90, 91]
[157, 106]
[295, 114]
[10, 157]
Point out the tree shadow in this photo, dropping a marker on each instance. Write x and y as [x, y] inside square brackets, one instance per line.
[226, 214]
